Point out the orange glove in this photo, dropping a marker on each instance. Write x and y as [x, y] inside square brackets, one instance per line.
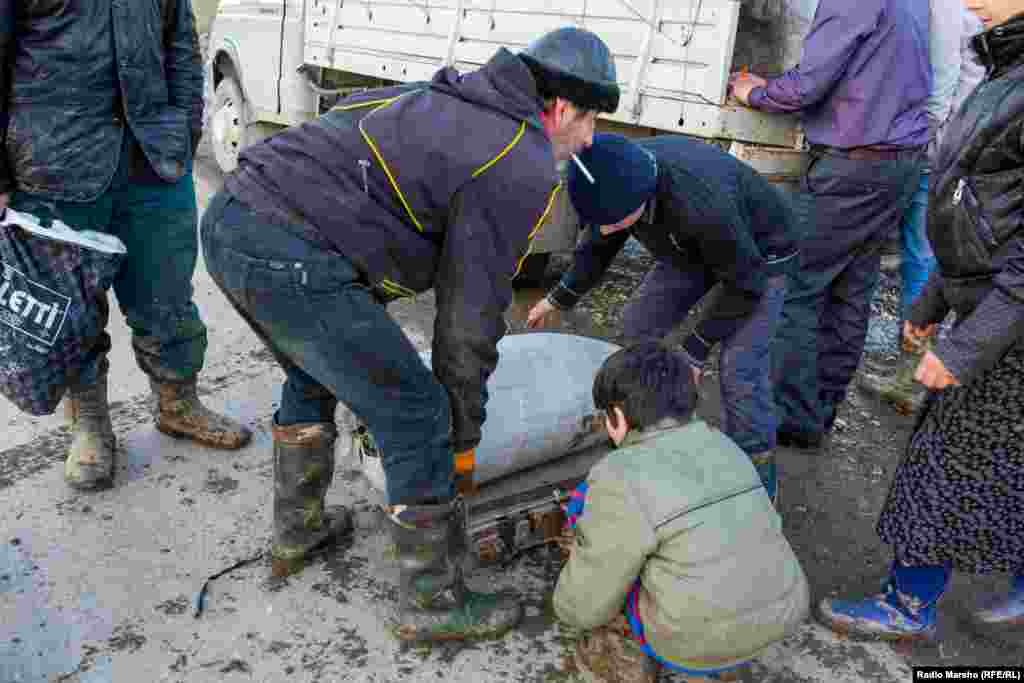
[465, 463]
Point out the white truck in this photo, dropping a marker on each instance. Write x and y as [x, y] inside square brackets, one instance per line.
[275, 63]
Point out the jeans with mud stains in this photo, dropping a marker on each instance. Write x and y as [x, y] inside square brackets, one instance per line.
[156, 220]
[663, 302]
[335, 341]
[847, 209]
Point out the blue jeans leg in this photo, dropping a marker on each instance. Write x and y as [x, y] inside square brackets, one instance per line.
[748, 405]
[157, 221]
[847, 208]
[333, 336]
[918, 260]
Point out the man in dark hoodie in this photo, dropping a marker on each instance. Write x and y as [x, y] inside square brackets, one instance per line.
[707, 218]
[396, 191]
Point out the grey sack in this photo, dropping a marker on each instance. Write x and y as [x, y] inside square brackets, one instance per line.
[51, 279]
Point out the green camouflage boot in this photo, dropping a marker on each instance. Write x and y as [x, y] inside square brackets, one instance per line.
[896, 385]
[303, 470]
[90, 461]
[178, 412]
[434, 602]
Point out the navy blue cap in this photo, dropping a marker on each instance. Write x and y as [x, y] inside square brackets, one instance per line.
[625, 176]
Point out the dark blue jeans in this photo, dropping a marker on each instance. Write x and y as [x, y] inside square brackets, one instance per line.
[157, 223]
[918, 259]
[335, 341]
[847, 209]
[663, 302]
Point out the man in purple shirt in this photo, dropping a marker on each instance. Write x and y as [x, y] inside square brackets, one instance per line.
[862, 87]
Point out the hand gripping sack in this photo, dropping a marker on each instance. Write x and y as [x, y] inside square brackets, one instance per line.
[51, 281]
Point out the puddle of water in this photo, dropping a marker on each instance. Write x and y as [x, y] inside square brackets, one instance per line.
[38, 641]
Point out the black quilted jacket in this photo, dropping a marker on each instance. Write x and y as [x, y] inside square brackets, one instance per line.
[976, 209]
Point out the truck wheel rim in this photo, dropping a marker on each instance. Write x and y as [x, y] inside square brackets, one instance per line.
[227, 130]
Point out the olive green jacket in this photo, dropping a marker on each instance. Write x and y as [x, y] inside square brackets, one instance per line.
[683, 509]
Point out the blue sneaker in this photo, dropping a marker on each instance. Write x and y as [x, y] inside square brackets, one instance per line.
[888, 616]
[1006, 612]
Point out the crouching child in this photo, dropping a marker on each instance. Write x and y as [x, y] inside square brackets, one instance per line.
[677, 558]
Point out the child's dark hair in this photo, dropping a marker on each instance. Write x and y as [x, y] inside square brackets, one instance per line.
[648, 382]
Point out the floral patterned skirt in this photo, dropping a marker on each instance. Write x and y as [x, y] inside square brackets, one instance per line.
[958, 495]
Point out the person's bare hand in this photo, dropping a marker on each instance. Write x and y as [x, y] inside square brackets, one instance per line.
[4, 199]
[566, 541]
[914, 337]
[743, 83]
[932, 373]
[539, 315]
[697, 373]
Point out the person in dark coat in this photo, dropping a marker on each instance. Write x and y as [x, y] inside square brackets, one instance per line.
[101, 110]
[957, 500]
[438, 185]
[707, 218]
[861, 87]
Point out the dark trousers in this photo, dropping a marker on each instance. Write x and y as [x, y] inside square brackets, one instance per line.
[847, 209]
[663, 302]
[157, 223]
[335, 341]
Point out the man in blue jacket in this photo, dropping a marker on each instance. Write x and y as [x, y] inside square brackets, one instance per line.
[862, 86]
[100, 113]
[396, 191]
[706, 218]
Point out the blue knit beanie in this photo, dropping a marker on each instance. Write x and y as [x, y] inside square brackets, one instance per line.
[625, 176]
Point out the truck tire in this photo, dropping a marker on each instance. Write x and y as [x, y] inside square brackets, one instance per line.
[230, 128]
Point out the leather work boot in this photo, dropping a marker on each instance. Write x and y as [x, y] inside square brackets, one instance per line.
[609, 654]
[1006, 612]
[90, 461]
[434, 602]
[303, 470]
[179, 413]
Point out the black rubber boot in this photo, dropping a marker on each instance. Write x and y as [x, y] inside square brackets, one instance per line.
[303, 469]
[434, 602]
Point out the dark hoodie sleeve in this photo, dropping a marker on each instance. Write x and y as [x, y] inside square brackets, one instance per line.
[184, 67]
[593, 256]
[493, 219]
[6, 55]
[728, 248]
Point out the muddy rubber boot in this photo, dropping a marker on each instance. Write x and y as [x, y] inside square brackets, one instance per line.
[896, 385]
[303, 470]
[434, 602]
[609, 654]
[178, 412]
[90, 462]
